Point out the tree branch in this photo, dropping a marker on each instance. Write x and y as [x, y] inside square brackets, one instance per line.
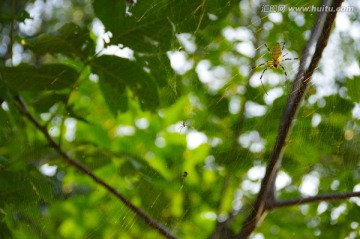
[317, 198]
[73, 162]
[266, 194]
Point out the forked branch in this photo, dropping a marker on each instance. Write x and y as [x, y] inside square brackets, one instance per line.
[265, 197]
[73, 162]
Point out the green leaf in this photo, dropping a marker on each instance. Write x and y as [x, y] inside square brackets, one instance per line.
[353, 88]
[3, 162]
[23, 188]
[46, 77]
[43, 102]
[122, 72]
[4, 91]
[190, 15]
[93, 157]
[5, 128]
[104, 11]
[160, 67]
[70, 40]
[336, 104]
[9, 13]
[161, 70]
[4, 230]
[110, 89]
[146, 29]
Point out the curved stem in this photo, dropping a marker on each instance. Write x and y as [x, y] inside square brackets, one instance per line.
[73, 162]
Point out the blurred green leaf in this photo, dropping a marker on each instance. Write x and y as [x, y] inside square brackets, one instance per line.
[93, 133]
[111, 88]
[5, 127]
[190, 16]
[353, 88]
[47, 77]
[159, 66]
[119, 72]
[10, 10]
[70, 40]
[5, 232]
[3, 163]
[93, 157]
[337, 104]
[43, 102]
[23, 188]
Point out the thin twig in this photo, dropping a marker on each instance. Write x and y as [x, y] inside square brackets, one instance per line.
[317, 198]
[266, 194]
[73, 162]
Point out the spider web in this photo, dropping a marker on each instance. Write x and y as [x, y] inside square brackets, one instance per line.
[223, 146]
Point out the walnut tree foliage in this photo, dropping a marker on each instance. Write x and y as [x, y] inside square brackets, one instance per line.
[143, 148]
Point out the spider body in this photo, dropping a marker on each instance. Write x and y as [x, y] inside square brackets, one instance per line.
[277, 58]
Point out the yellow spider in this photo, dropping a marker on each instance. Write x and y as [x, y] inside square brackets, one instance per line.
[277, 58]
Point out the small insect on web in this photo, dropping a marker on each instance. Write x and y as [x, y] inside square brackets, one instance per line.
[183, 125]
[277, 58]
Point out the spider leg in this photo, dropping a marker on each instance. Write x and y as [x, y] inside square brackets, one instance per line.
[261, 80]
[286, 77]
[290, 59]
[263, 64]
[283, 46]
[284, 54]
[262, 74]
[267, 47]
